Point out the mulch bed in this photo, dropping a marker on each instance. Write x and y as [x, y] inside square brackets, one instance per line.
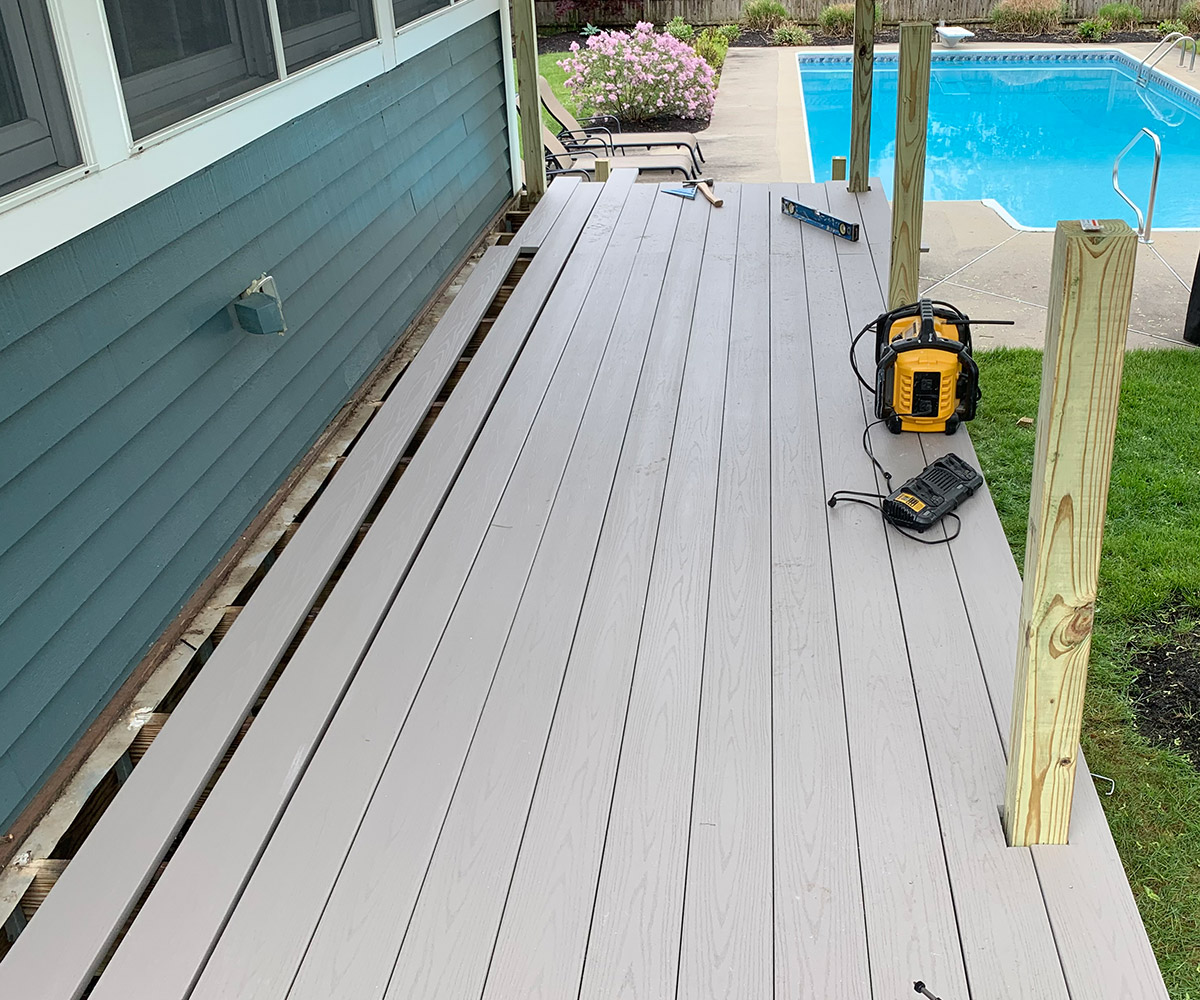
[1166, 694]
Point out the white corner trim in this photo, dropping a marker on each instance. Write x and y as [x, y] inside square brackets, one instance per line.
[510, 99]
[116, 175]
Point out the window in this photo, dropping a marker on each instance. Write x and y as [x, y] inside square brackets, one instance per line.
[315, 29]
[36, 136]
[409, 10]
[179, 57]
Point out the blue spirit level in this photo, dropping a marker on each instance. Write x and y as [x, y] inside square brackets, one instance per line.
[846, 230]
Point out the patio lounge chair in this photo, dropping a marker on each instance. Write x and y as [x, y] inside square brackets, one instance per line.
[608, 127]
[582, 159]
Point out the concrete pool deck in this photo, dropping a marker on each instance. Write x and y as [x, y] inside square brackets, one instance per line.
[976, 260]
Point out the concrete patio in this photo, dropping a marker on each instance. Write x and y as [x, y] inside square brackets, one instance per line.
[976, 260]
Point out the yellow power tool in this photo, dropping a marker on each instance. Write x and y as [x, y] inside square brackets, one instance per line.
[925, 376]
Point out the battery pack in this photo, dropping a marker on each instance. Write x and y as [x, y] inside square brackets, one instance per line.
[928, 497]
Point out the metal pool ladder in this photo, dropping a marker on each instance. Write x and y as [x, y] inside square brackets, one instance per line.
[1159, 52]
[1143, 227]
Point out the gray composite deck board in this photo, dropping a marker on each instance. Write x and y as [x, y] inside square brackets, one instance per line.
[646, 718]
[449, 941]
[386, 876]
[268, 932]
[540, 949]
[387, 872]
[727, 949]
[1006, 938]
[59, 950]
[820, 928]
[165, 948]
[634, 940]
[911, 928]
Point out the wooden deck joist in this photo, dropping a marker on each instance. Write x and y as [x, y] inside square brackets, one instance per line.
[609, 703]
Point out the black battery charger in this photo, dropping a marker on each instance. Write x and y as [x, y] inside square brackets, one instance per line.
[932, 494]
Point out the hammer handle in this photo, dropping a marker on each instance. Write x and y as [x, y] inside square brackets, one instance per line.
[705, 190]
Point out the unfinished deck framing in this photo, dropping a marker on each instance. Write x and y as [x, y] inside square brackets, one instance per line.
[609, 703]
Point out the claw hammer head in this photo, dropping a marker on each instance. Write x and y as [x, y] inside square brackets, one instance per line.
[704, 186]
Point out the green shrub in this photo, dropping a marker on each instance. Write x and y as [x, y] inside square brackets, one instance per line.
[838, 19]
[711, 46]
[1122, 16]
[1189, 14]
[1028, 17]
[677, 27]
[791, 34]
[764, 15]
[1093, 29]
[729, 32]
[1171, 25]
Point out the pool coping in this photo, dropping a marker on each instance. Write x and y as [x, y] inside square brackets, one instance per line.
[1042, 53]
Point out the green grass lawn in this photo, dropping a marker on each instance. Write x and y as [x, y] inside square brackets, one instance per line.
[1149, 577]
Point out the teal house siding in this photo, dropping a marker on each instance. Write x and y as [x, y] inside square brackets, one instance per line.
[140, 431]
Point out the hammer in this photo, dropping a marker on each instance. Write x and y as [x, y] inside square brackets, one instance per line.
[703, 186]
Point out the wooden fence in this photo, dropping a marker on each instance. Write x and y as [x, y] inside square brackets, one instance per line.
[624, 12]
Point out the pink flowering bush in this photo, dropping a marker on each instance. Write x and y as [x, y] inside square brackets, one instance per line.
[640, 75]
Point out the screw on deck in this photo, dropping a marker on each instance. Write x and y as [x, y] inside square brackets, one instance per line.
[921, 988]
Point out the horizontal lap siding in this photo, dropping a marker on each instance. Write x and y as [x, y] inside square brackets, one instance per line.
[140, 433]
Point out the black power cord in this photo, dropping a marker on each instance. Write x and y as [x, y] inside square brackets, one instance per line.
[857, 496]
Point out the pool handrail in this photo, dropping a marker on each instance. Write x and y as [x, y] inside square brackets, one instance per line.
[1143, 227]
[1143, 73]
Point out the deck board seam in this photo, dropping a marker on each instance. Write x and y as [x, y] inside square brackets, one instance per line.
[805, 237]
[687, 856]
[897, 610]
[955, 889]
[904, 627]
[686, 347]
[770, 459]
[575, 632]
[508, 634]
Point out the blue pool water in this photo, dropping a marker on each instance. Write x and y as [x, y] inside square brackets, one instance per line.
[1036, 133]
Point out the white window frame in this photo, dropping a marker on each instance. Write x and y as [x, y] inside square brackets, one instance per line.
[118, 173]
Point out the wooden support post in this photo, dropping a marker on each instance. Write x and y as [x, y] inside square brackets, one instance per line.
[908, 183]
[1090, 289]
[525, 42]
[838, 168]
[600, 169]
[860, 118]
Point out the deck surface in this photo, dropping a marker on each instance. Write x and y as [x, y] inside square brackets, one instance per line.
[646, 718]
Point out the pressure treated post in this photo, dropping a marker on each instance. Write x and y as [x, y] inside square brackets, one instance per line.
[837, 168]
[908, 183]
[1090, 289]
[860, 117]
[525, 42]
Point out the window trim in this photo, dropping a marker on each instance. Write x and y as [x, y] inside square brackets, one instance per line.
[118, 173]
[44, 140]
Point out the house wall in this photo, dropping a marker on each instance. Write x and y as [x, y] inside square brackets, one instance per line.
[140, 432]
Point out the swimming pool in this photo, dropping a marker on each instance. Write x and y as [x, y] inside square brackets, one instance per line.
[1035, 132]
